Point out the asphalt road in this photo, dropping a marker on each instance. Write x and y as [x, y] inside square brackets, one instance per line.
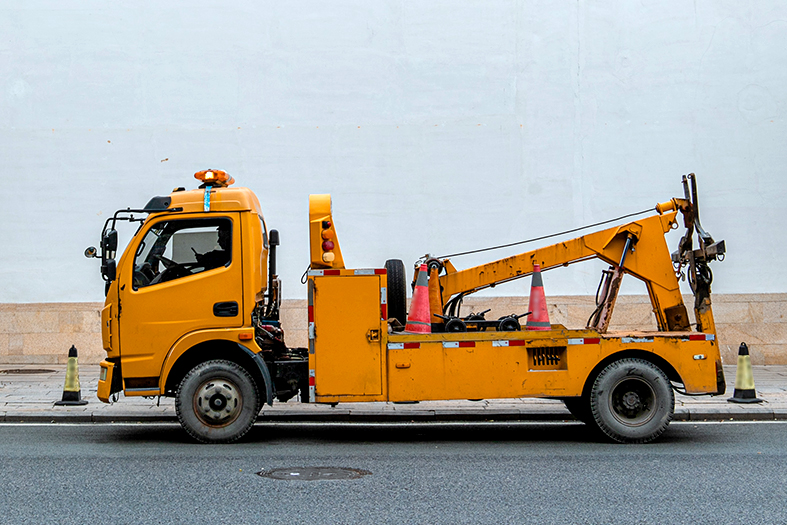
[450, 473]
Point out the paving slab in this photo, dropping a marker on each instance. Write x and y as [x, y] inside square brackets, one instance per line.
[28, 394]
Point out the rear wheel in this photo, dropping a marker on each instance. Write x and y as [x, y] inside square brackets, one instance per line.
[579, 408]
[217, 402]
[632, 401]
[397, 290]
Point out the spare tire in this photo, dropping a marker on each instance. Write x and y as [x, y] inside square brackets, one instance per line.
[397, 290]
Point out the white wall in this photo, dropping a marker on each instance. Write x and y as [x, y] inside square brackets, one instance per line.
[437, 126]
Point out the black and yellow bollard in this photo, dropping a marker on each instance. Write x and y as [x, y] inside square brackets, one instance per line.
[744, 379]
[72, 394]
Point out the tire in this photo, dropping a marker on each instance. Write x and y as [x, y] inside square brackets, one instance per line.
[397, 290]
[580, 409]
[632, 401]
[217, 402]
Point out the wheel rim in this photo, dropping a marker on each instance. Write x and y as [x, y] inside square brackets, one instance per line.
[632, 401]
[217, 402]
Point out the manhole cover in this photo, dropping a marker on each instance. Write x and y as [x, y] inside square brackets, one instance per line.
[27, 371]
[314, 473]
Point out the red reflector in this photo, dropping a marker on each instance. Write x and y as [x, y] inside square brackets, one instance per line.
[380, 271]
[412, 345]
[331, 272]
[311, 313]
[592, 340]
[466, 344]
[697, 337]
[327, 246]
[311, 381]
[517, 342]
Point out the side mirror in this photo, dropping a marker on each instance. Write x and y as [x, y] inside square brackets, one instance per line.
[91, 252]
[273, 238]
[109, 270]
[109, 243]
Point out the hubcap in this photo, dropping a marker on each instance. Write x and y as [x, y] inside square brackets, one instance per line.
[217, 402]
[632, 401]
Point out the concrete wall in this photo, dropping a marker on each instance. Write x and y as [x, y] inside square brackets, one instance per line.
[43, 333]
[438, 126]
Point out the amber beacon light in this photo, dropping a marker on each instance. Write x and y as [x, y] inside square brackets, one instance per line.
[214, 178]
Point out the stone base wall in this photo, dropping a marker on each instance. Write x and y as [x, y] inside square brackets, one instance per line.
[42, 333]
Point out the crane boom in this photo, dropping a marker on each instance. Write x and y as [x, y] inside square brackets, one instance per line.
[637, 248]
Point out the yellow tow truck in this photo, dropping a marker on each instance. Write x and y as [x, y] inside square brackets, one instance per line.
[192, 312]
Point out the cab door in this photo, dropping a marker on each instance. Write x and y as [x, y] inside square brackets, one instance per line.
[186, 275]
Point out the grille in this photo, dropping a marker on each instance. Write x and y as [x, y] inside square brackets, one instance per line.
[548, 358]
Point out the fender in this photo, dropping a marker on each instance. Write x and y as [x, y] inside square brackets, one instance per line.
[266, 375]
[231, 335]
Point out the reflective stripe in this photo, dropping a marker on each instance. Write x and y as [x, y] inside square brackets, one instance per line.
[312, 333]
[458, 344]
[585, 341]
[510, 342]
[700, 337]
[402, 346]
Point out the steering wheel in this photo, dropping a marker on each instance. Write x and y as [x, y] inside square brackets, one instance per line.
[168, 263]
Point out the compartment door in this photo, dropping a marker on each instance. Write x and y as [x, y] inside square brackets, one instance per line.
[347, 354]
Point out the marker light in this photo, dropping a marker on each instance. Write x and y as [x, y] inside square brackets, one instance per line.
[214, 178]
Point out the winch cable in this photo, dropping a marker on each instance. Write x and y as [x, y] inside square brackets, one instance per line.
[649, 210]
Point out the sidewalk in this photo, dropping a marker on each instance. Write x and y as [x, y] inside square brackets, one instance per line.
[28, 393]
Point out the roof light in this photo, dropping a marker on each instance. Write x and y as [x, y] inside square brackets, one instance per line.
[214, 178]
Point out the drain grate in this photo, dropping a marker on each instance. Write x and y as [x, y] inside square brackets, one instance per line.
[314, 473]
[24, 371]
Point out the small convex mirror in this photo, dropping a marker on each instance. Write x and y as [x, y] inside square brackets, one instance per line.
[91, 252]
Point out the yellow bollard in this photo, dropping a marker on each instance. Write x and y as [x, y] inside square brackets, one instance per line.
[744, 379]
[72, 394]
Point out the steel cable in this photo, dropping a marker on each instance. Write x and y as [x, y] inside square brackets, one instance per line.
[546, 236]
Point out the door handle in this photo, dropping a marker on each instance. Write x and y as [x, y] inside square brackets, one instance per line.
[225, 309]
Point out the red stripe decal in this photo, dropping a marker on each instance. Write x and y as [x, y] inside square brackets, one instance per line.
[311, 314]
[412, 345]
[697, 337]
[517, 342]
[466, 344]
[592, 340]
[311, 381]
[331, 272]
[379, 271]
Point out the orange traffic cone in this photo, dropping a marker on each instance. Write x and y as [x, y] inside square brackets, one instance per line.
[419, 319]
[539, 318]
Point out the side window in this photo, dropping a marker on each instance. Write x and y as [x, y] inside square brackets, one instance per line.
[179, 248]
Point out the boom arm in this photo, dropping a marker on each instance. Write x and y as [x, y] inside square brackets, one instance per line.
[647, 258]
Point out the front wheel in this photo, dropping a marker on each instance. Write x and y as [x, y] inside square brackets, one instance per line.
[217, 402]
[632, 401]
